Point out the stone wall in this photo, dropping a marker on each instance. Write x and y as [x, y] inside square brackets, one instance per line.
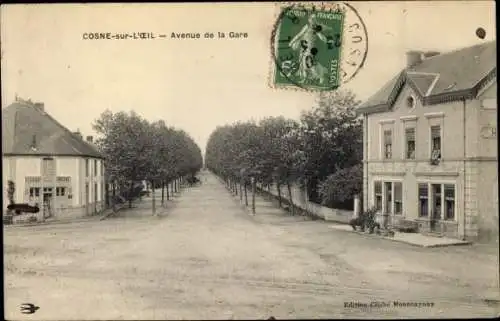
[299, 198]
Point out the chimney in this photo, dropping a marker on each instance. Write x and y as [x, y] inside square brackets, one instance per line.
[413, 58]
[90, 139]
[429, 54]
[78, 134]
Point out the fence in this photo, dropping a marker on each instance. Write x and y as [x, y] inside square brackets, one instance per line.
[300, 200]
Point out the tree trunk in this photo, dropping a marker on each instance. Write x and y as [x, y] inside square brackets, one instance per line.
[253, 197]
[154, 197]
[106, 194]
[131, 188]
[168, 193]
[241, 192]
[278, 186]
[235, 187]
[246, 196]
[162, 193]
[292, 209]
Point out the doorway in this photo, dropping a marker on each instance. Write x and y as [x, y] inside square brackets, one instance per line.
[436, 206]
[87, 196]
[48, 196]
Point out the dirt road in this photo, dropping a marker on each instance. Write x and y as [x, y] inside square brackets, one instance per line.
[207, 258]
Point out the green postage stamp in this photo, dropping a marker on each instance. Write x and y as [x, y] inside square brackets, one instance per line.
[308, 48]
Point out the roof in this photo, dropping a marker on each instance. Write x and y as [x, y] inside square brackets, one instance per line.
[455, 75]
[24, 124]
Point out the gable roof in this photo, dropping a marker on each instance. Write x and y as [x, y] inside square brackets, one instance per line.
[24, 123]
[455, 75]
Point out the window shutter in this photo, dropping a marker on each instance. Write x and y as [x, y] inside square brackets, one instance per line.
[387, 137]
[435, 132]
[422, 190]
[410, 134]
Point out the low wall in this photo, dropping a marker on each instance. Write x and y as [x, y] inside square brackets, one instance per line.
[299, 198]
[62, 213]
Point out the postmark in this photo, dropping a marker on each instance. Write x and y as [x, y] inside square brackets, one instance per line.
[317, 46]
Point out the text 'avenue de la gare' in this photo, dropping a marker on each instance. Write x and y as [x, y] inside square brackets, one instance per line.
[172, 35]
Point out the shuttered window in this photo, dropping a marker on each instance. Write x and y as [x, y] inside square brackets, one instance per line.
[436, 142]
[410, 143]
[387, 144]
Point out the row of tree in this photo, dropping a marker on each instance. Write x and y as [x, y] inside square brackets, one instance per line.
[137, 150]
[322, 152]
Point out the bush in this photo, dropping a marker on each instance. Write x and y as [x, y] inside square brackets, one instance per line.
[339, 189]
[365, 220]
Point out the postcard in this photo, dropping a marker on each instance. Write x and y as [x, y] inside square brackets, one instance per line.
[247, 160]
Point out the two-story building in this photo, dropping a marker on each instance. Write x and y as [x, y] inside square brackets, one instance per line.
[49, 165]
[430, 144]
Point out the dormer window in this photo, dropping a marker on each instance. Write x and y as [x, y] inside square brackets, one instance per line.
[33, 143]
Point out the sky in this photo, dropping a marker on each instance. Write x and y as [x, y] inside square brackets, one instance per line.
[198, 84]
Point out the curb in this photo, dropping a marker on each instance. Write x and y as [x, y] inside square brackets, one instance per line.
[401, 241]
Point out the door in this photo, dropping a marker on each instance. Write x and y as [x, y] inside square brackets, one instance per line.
[388, 203]
[87, 196]
[436, 206]
[95, 198]
[47, 202]
[388, 198]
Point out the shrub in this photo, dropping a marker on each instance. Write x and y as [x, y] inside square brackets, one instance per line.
[366, 220]
[340, 188]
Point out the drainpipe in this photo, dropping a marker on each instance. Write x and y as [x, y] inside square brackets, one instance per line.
[465, 164]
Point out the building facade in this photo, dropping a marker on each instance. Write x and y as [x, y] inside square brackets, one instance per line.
[49, 165]
[430, 144]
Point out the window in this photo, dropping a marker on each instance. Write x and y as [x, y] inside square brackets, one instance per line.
[95, 167]
[378, 196]
[34, 191]
[410, 102]
[387, 144]
[87, 165]
[410, 143]
[47, 189]
[60, 191]
[423, 200]
[398, 198]
[449, 202]
[436, 142]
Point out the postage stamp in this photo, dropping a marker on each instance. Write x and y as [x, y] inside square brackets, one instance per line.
[317, 46]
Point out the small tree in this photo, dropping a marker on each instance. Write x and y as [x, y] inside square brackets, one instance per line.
[342, 186]
[11, 189]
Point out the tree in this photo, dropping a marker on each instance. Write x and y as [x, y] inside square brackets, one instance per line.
[331, 139]
[136, 150]
[340, 187]
[11, 190]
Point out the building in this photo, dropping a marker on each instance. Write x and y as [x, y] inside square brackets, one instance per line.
[430, 144]
[48, 164]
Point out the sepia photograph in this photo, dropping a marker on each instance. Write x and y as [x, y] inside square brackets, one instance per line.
[250, 160]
